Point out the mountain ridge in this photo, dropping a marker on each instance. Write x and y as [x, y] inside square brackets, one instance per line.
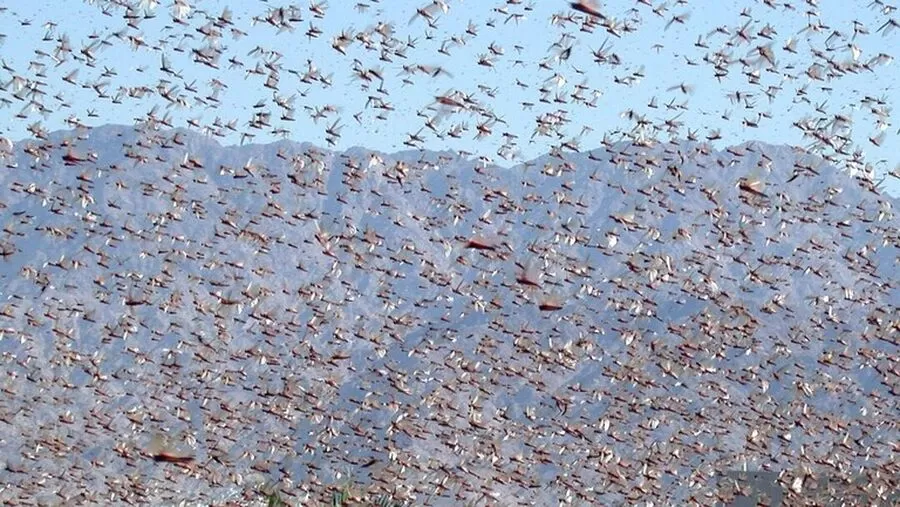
[122, 129]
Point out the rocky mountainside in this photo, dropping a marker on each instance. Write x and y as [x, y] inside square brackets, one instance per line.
[592, 326]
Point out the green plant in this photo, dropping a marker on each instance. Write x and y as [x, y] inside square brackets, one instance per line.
[339, 497]
[387, 501]
[273, 499]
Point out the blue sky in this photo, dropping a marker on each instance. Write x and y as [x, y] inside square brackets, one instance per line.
[661, 52]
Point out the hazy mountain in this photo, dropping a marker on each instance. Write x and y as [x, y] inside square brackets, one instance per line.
[426, 326]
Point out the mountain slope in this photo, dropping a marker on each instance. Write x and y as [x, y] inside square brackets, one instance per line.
[428, 327]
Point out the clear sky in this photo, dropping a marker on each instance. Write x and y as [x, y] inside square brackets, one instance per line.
[662, 53]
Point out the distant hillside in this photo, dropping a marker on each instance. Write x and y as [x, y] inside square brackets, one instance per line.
[429, 327]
